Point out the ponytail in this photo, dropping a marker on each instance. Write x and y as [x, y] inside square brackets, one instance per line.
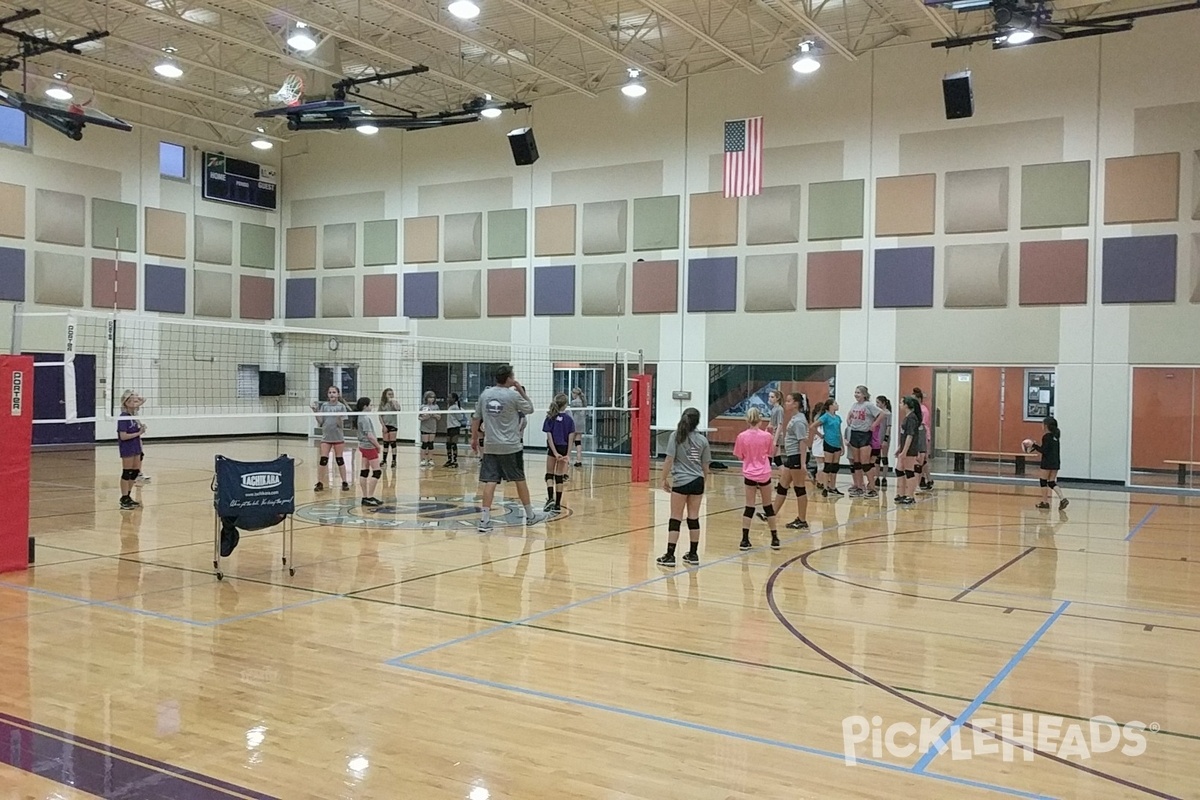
[1052, 426]
[557, 405]
[362, 403]
[687, 425]
[753, 417]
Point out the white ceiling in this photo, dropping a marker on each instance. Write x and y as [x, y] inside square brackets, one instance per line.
[234, 52]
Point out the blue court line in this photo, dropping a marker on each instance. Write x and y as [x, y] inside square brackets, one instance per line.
[696, 726]
[542, 614]
[1145, 519]
[940, 745]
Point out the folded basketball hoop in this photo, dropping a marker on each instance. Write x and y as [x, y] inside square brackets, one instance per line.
[291, 92]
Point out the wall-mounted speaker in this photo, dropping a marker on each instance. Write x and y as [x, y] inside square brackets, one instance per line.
[524, 148]
[956, 91]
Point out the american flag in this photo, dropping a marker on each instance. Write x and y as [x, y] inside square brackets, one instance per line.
[743, 157]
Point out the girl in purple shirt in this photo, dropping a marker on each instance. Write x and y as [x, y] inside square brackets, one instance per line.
[129, 444]
[559, 428]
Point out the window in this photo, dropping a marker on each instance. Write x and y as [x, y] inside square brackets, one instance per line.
[12, 127]
[172, 160]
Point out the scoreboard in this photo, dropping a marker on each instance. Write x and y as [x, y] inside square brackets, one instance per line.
[243, 183]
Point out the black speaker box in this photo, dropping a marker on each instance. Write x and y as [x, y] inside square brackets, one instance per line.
[524, 147]
[956, 91]
[272, 384]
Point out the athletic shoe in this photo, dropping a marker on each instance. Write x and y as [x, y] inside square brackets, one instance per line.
[143, 479]
[824, 492]
[537, 517]
[448, 465]
[557, 508]
[797, 524]
[871, 495]
[320, 487]
[692, 559]
[549, 506]
[910, 500]
[761, 516]
[1063, 503]
[393, 463]
[775, 543]
[854, 491]
[665, 561]
[484, 526]
[364, 502]
[345, 486]
[128, 504]
[579, 463]
[745, 545]
[1043, 505]
[837, 491]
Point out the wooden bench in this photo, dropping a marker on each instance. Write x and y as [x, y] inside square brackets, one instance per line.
[1183, 467]
[960, 458]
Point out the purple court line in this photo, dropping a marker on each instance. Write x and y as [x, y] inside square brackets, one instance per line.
[878, 684]
[992, 574]
[1138, 527]
[103, 770]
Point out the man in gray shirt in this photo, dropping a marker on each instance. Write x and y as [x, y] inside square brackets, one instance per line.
[503, 456]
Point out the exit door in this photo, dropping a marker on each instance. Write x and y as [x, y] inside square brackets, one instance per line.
[345, 378]
[952, 398]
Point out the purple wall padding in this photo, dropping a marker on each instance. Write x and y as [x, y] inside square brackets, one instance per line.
[166, 289]
[904, 278]
[712, 284]
[553, 291]
[300, 299]
[421, 295]
[1139, 269]
[12, 274]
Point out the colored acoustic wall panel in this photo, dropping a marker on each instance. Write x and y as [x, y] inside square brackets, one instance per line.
[1139, 269]
[656, 223]
[214, 240]
[12, 210]
[712, 284]
[59, 217]
[905, 205]
[834, 280]
[166, 289]
[256, 297]
[602, 290]
[506, 292]
[771, 282]
[420, 240]
[1196, 185]
[212, 294]
[554, 291]
[114, 225]
[12, 274]
[713, 220]
[166, 233]
[337, 296]
[421, 295]
[835, 210]
[1055, 195]
[1054, 273]
[976, 276]
[1195, 293]
[380, 242]
[461, 293]
[604, 227]
[114, 284]
[379, 295]
[258, 246]
[58, 279]
[300, 298]
[339, 247]
[554, 231]
[977, 200]
[507, 232]
[463, 237]
[301, 247]
[655, 287]
[773, 216]
[1141, 189]
[904, 278]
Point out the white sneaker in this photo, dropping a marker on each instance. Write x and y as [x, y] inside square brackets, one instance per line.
[536, 518]
[484, 526]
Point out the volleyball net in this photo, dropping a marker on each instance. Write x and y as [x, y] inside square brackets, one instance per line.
[210, 378]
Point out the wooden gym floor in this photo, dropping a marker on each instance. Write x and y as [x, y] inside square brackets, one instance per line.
[411, 657]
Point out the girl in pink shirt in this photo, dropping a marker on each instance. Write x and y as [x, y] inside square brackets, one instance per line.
[755, 446]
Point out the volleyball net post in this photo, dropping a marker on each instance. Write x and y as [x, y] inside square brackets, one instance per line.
[639, 468]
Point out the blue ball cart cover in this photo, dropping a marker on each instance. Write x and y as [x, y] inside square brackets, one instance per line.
[252, 496]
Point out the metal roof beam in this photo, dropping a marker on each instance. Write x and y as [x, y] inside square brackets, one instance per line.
[679, 21]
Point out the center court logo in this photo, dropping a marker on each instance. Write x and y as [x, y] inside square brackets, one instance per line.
[261, 480]
[425, 512]
[1048, 735]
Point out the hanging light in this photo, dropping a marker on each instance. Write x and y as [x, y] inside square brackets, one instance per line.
[261, 143]
[463, 9]
[367, 128]
[301, 39]
[59, 90]
[168, 67]
[634, 86]
[1020, 37]
[491, 110]
[806, 63]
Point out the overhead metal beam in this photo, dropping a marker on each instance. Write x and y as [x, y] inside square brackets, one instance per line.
[810, 25]
[680, 22]
[936, 19]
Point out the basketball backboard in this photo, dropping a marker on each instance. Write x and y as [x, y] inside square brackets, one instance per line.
[66, 118]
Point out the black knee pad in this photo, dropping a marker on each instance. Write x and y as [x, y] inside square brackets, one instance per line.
[341, 461]
[768, 511]
[908, 473]
[883, 460]
[748, 511]
[377, 474]
[693, 524]
[800, 491]
[899, 472]
[1043, 483]
[560, 479]
[129, 474]
[855, 467]
[324, 461]
[1053, 484]
[837, 467]
[781, 490]
[673, 525]
[549, 476]
[364, 472]
[828, 468]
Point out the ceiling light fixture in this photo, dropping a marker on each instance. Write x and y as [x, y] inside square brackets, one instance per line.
[491, 110]
[806, 63]
[58, 90]
[634, 86]
[261, 143]
[1020, 37]
[301, 39]
[168, 67]
[463, 9]
[367, 128]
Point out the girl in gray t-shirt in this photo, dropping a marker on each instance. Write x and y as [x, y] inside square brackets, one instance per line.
[391, 423]
[330, 416]
[684, 471]
[429, 425]
[368, 451]
[580, 420]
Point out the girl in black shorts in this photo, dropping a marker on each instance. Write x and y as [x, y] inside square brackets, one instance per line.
[1051, 462]
[684, 472]
[907, 452]
[390, 421]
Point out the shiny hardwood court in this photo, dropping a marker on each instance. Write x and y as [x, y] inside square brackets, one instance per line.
[411, 657]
